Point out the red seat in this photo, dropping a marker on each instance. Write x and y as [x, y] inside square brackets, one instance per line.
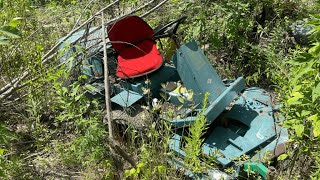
[131, 37]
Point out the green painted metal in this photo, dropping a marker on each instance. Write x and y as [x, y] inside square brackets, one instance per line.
[153, 83]
[92, 44]
[198, 75]
[93, 68]
[257, 167]
[126, 98]
[248, 125]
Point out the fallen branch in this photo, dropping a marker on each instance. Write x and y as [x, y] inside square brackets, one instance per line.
[106, 80]
[75, 30]
[113, 144]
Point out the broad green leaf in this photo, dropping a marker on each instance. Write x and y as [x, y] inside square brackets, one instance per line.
[78, 97]
[161, 169]
[90, 88]
[315, 50]
[295, 98]
[314, 20]
[313, 118]
[2, 151]
[315, 92]
[75, 90]
[316, 129]
[132, 171]
[127, 173]
[305, 113]
[282, 157]
[64, 90]
[304, 70]
[10, 31]
[297, 88]
[289, 123]
[15, 22]
[140, 165]
[180, 99]
[302, 58]
[299, 129]
[297, 94]
[84, 77]
[2, 173]
[314, 30]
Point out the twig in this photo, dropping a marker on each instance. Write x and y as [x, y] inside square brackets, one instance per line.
[132, 12]
[114, 146]
[153, 9]
[75, 30]
[106, 79]
[78, 20]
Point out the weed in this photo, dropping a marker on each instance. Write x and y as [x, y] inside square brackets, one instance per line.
[194, 140]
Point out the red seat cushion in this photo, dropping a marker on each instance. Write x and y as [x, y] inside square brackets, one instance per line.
[139, 60]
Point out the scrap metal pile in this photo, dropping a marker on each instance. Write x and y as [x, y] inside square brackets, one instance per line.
[241, 121]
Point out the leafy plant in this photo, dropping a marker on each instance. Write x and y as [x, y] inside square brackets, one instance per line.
[301, 97]
[194, 140]
[154, 155]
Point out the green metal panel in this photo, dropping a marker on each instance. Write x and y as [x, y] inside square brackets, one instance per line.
[126, 98]
[254, 111]
[255, 129]
[257, 167]
[216, 107]
[164, 74]
[197, 73]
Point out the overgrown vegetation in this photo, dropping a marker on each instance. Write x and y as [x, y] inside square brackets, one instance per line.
[50, 130]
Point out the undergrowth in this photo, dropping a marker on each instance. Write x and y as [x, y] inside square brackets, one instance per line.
[55, 131]
[194, 140]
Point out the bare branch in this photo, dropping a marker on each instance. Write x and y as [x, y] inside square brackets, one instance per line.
[154, 8]
[78, 20]
[44, 58]
[106, 79]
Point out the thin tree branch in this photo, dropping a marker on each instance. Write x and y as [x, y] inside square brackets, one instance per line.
[154, 8]
[106, 80]
[78, 20]
[75, 30]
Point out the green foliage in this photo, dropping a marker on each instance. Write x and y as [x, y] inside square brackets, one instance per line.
[242, 37]
[87, 148]
[300, 95]
[194, 140]
[4, 136]
[154, 155]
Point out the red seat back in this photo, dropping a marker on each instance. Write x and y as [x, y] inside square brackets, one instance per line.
[128, 31]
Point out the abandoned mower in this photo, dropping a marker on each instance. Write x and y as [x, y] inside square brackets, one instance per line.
[241, 121]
